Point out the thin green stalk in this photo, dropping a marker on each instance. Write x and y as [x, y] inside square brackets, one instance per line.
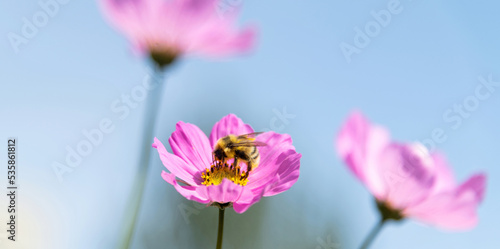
[221, 228]
[373, 234]
[136, 197]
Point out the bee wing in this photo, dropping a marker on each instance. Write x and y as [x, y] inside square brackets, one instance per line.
[249, 135]
[258, 143]
[249, 144]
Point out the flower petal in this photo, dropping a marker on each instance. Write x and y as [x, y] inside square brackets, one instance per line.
[408, 175]
[177, 166]
[360, 144]
[132, 18]
[192, 193]
[288, 174]
[191, 144]
[253, 197]
[243, 207]
[445, 179]
[228, 125]
[184, 26]
[454, 209]
[222, 41]
[199, 29]
[278, 147]
[123, 14]
[277, 172]
[225, 192]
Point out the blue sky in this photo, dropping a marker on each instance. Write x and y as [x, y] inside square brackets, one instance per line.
[427, 60]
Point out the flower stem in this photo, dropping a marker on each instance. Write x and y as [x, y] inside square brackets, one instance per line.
[221, 228]
[373, 234]
[151, 110]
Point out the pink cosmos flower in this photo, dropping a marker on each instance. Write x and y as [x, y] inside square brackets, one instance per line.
[407, 180]
[168, 28]
[225, 185]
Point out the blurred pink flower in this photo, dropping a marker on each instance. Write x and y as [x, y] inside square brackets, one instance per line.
[168, 28]
[192, 156]
[407, 180]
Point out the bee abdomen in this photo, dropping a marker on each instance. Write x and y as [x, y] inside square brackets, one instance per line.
[255, 153]
[242, 155]
[255, 156]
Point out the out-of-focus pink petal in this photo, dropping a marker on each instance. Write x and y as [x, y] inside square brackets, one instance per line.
[224, 43]
[228, 125]
[454, 209]
[406, 178]
[177, 166]
[445, 179]
[181, 26]
[360, 144]
[191, 144]
[225, 192]
[126, 15]
[477, 184]
[192, 193]
[209, 33]
[408, 175]
[188, 16]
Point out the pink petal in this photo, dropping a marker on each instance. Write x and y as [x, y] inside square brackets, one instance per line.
[185, 26]
[220, 42]
[454, 209]
[228, 125]
[202, 31]
[192, 193]
[243, 207]
[445, 179]
[225, 192]
[278, 170]
[177, 166]
[193, 12]
[191, 144]
[408, 175]
[128, 16]
[125, 15]
[180, 20]
[278, 147]
[360, 144]
[253, 197]
[288, 174]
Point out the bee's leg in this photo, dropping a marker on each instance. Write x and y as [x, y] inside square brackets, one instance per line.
[236, 162]
[249, 166]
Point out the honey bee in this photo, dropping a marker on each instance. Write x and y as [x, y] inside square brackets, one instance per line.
[241, 148]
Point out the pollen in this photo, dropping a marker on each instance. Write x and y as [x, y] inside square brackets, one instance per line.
[218, 171]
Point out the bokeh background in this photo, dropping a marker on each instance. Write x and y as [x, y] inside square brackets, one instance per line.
[64, 79]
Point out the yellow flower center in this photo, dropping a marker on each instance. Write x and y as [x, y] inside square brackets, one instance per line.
[218, 171]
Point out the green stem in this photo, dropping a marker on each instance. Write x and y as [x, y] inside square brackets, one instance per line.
[373, 234]
[221, 228]
[136, 197]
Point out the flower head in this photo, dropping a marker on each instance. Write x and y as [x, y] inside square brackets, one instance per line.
[166, 29]
[407, 180]
[198, 177]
